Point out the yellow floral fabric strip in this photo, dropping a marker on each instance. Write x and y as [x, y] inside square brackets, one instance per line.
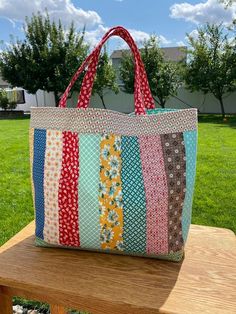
[110, 193]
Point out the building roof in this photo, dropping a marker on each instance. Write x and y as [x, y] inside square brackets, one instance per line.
[175, 54]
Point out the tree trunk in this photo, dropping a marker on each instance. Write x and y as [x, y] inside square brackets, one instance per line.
[57, 98]
[103, 103]
[36, 97]
[162, 103]
[44, 98]
[222, 107]
[156, 100]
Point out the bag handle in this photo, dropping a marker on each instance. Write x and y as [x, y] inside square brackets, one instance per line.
[87, 84]
[91, 62]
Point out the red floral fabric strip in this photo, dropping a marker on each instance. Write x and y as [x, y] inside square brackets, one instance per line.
[68, 191]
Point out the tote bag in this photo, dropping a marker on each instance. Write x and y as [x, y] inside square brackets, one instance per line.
[112, 182]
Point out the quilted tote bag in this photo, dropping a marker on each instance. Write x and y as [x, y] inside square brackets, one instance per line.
[112, 182]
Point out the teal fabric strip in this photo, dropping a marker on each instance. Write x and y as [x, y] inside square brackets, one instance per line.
[190, 140]
[134, 200]
[89, 154]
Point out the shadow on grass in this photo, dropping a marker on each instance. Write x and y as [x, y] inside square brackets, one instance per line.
[229, 121]
[10, 118]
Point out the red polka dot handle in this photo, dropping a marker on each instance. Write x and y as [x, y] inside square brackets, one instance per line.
[142, 95]
[87, 84]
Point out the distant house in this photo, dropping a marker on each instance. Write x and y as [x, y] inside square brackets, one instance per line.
[3, 84]
[174, 54]
[25, 100]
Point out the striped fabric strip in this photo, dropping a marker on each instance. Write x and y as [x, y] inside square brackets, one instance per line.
[190, 139]
[156, 190]
[110, 193]
[133, 196]
[52, 171]
[175, 165]
[68, 191]
[31, 151]
[38, 178]
[89, 217]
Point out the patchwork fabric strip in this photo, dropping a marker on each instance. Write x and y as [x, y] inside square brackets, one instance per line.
[31, 150]
[52, 171]
[89, 217]
[190, 140]
[134, 199]
[93, 120]
[156, 190]
[110, 193]
[68, 191]
[38, 177]
[175, 165]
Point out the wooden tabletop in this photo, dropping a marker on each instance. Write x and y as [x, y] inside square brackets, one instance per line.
[205, 282]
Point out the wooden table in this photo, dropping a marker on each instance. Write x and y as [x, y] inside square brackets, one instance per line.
[205, 282]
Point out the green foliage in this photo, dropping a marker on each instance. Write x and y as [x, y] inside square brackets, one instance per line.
[163, 76]
[12, 105]
[46, 59]
[105, 78]
[4, 102]
[212, 63]
[227, 3]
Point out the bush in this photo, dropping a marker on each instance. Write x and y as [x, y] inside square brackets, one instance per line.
[5, 103]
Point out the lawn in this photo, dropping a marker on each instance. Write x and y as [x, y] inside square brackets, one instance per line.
[215, 192]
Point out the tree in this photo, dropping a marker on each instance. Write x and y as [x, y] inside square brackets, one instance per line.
[105, 78]
[163, 76]
[227, 3]
[46, 59]
[4, 101]
[212, 63]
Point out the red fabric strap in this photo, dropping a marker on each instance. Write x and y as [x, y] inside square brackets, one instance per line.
[142, 92]
[88, 80]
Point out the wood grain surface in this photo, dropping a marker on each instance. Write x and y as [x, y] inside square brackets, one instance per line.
[102, 283]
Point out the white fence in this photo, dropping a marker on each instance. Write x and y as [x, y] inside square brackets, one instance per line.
[124, 102]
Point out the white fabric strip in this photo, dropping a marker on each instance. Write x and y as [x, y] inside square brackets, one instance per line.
[52, 171]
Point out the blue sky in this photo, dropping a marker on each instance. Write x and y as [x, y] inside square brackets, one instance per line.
[168, 19]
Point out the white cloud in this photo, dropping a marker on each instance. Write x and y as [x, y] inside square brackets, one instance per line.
[193, 34]
[63, 9]
[211, 11]
[163, 40]
[180, 43]
[138, 36]
[94, 36]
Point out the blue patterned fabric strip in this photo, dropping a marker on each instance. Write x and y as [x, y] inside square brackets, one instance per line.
[89, 165]
[134, 199]
[190, 140]
[38, 178]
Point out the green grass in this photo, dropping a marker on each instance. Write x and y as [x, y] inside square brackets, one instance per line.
[215, 191]
[16, 209]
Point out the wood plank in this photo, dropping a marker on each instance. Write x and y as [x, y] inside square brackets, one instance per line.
[5, 303]
[100, 283]
[57, 309]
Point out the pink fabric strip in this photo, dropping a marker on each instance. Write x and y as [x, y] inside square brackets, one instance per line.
[156, 190]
